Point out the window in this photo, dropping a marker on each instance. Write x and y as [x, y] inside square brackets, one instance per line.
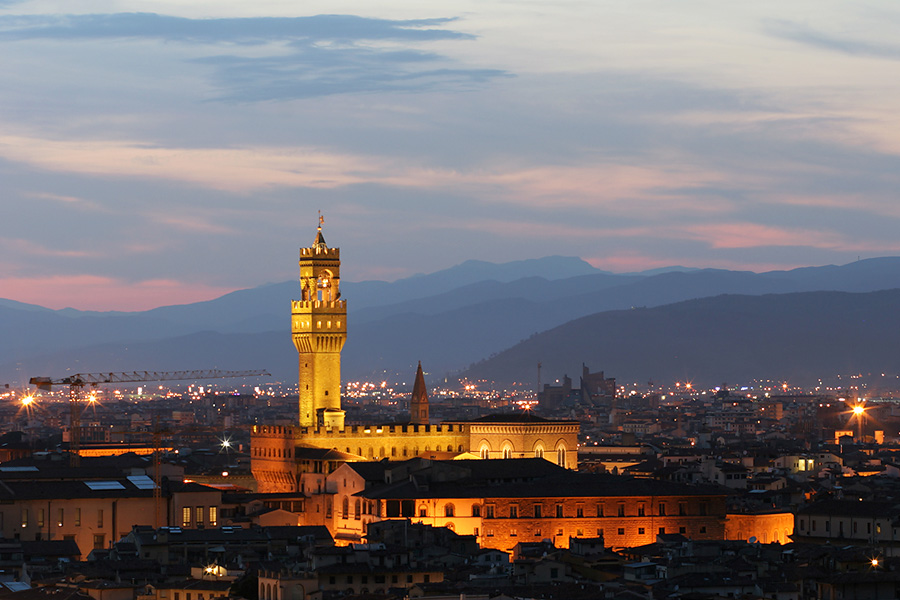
[40, 519]
[99, 541]
[682, 530]
[489, 511]
[423, 512]
[579, 511]
[24, 517]
[198, 516]
[449, 510]
[489, 532]
[704, 508]
[100, 517]
[537, 532]
[640, 510]
[476, 510]
[828, 526]
[186, 516]
[77, 517]
[640, 531]
[357, 507]
[345, 508]
[513, 533]
[61, 517]
[513, 512]
[561, 457]
[662, 530]
[485, 453]
[682, 509]
[559, 511]
[507, 452]
[662, 510]
[539, 452]
[599, 510]
[213, 516]
[703, 529]
[621, 531]
[621, 510]
[537, 511]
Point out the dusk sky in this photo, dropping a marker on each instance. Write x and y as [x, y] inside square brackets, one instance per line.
[164, 152]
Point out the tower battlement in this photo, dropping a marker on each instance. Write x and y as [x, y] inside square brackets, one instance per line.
[297, 305]
[320, 252]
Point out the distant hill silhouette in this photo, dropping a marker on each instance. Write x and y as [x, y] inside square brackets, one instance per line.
[797, 337]
[448, 319]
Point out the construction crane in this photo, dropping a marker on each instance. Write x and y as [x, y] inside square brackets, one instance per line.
[79, 381]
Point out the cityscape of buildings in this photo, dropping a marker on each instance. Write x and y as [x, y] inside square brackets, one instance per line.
[326, 489]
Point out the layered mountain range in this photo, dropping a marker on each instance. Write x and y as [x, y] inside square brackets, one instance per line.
[497, 321]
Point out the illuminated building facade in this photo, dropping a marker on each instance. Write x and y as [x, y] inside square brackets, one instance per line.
[505, 502]
[319, 329]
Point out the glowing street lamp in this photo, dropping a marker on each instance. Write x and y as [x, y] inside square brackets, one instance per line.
[859, 411]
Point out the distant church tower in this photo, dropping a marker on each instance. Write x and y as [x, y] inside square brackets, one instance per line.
[418, 406]
[319, 327]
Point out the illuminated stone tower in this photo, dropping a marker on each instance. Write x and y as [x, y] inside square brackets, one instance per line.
[319, 327]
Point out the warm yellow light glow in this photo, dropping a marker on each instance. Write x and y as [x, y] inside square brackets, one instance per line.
[27, 400]
[874, 562]
[858, 410]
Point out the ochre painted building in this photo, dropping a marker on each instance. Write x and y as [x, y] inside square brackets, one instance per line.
[319, 329]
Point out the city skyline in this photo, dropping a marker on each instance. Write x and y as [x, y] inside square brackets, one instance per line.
[160, 153]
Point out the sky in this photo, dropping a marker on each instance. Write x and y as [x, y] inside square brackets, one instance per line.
[166, 152]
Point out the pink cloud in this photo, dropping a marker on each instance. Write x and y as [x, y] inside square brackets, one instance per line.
[90, 292]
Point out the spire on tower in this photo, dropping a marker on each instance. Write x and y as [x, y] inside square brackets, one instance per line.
[320, 239]
[418, 406]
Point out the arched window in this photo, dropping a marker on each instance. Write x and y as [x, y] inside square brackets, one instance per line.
[345, 508]
[561, 456]
[449, 509]
[485, 453]
[507, 452]
[449, 448]
[539, 452]
[357, 506]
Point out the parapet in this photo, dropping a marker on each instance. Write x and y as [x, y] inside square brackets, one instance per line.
[332, 253]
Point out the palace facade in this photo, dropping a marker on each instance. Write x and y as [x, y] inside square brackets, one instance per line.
[319, 330]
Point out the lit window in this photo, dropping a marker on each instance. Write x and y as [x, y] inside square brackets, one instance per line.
[213, 516]
[186, 516]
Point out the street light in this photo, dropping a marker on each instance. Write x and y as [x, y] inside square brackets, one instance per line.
[860, 412]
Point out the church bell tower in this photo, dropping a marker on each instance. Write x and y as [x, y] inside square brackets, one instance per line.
[319, 327]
